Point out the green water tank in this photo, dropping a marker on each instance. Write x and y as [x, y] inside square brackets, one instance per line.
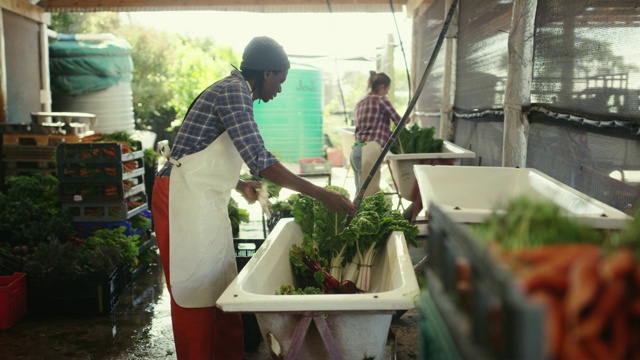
[291, 124]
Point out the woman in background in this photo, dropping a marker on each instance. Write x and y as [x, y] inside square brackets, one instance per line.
[373, 117]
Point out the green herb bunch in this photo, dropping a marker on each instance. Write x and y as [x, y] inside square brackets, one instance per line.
[416, 140]
[526, 223]
[31, 212]
[69, 260]
[327, 239]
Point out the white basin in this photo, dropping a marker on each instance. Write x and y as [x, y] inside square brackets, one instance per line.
[347, 139]
[347, 315]
[470, 194]
[401, 165]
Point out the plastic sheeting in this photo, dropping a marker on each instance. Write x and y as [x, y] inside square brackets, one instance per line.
[482, 53]
[598, 159]
[427, 109]
[80, 67]
[586, 58]
[481, 134]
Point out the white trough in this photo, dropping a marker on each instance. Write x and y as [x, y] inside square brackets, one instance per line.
[469, 194]
[355, 326]
[401, 165]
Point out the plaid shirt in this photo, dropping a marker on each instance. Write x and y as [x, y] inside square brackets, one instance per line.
[373, 116]
[225, 105]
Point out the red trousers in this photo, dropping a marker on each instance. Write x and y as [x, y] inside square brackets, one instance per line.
[199, 333]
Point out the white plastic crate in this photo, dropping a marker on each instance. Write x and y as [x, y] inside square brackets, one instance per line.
[469, 194]
[346, 315]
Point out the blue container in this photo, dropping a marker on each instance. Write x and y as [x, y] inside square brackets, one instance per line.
[291, 124]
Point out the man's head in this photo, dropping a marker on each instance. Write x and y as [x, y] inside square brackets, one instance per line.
[266, 65]
[264, 53]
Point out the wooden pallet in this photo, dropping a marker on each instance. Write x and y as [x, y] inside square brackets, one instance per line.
[28, 153]
[29, 164]
[38, 140]
[29, 172]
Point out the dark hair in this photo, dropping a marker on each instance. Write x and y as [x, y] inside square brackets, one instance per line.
[377, 79]
[258, 77]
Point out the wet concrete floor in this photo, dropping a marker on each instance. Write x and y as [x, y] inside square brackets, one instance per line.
[139, 327]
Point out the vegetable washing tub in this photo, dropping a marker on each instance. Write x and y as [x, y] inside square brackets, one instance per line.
[469, 194]
[401, 165]
[347, 326]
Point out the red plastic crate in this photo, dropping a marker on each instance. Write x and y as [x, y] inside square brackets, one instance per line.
[13, 299]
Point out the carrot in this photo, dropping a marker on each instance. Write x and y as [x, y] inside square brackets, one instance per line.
[583, 286]
[92, 138]
[634, 307]
[464, 285]
[546, 253]
[620, 334]
[610, 299]
[619, 264]
[553, 322]
[572, 348]
[553, 273]
[597, 348]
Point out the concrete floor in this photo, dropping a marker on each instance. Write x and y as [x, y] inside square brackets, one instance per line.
[139, 327]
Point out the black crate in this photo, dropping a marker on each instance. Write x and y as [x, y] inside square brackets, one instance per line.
[128, 275]
[98, 172]
[277, 216]
[77, 192]
[108, 211]
[90, 296]
[91, 153]
[492, 319]
[245, 249]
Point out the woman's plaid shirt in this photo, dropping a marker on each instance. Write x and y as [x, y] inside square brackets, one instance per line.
[374, 114]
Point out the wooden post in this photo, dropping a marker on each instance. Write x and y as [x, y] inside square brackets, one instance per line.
[3, 73]
[448, 89]
[518, 87]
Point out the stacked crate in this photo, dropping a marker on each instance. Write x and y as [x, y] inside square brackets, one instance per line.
[28, 153]
[29, 148]
[101, 185]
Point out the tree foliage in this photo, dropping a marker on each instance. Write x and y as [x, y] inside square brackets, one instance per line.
[170, 70]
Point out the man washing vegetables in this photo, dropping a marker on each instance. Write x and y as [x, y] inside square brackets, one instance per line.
[191, 194]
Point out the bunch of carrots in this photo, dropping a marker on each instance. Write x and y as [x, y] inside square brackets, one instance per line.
[591, 296]
[588, 281]
[120, 137]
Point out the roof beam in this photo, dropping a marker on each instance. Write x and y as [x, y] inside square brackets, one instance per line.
[24, 8]
[221, 5]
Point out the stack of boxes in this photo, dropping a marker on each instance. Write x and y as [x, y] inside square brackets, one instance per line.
[29, 148]
[102, 186]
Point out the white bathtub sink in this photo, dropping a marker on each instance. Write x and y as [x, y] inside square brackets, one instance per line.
[401, 165]
[471, 193]
[358, 322]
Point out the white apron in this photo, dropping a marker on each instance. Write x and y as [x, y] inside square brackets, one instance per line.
[202, 256]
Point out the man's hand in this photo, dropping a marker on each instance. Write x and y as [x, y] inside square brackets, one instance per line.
[334, 201]
[249, 190]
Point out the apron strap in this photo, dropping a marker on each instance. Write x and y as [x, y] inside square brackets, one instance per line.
[163, 146]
